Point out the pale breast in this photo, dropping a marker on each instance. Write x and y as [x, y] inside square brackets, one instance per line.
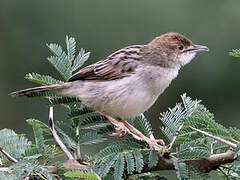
[126, 97]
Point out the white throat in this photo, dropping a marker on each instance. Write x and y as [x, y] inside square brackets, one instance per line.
[186, 58]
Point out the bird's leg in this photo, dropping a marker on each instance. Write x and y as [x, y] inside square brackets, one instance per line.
[123, 128]
[153, 143]
[120, 128]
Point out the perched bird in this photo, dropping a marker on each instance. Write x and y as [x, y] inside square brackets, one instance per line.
[128, 82]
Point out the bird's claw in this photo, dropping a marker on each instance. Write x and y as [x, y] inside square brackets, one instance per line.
[121, 130]
[153, 143]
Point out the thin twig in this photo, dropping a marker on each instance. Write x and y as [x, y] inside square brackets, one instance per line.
[56, 137]
[10, 158]
[78, 153]
[214, 137]
[71, 164]
[41, 176]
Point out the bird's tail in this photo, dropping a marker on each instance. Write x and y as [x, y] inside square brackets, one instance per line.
[31, 91]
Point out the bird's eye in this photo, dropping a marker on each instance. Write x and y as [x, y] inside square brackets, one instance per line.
[180, 47]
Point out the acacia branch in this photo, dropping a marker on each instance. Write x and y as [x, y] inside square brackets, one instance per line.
[56, 137]
[215, 137]
[206, 165]
[71, 163]
[10, 158]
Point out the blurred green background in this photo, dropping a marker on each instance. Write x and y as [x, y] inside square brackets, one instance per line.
[102, 27]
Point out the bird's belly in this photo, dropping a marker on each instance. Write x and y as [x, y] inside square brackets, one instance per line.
[129, 104]
[122, 98]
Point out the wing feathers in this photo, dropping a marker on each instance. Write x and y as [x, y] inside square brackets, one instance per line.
[118, 65]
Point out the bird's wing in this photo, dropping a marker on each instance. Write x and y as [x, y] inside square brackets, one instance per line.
[118, 65]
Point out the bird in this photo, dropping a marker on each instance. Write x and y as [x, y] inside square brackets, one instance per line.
[129, 81]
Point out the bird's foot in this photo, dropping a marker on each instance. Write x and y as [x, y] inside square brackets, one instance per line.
[154, 143]
[121, 130]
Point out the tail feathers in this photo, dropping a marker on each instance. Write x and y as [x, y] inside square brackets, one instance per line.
[31, 91]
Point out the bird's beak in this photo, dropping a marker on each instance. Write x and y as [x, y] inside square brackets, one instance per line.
[196, 48]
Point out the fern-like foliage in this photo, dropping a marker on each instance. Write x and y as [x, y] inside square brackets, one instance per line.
[181, 169]
[42, 79]
[73, 140]
[126, 155]
[30, 169]
[63, 100]
[15, 145]
[143, 125]
[114, 154]
[66, 63]
[41, 150]
[80, 59]
[172, 119]
[27, 154]
[153, 158]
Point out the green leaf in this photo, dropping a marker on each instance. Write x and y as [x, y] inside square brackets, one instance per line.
[64, 63]
[68, 133]
[237, 150]
[119, 167]
[14, 144]
[71, 48]
[91, 137]
[203, 120]
[144, 125]
[86, 118]
[30, 168]
[119, 147]
[38, 127]
[175, 117]
[153, 158]
[81, 58]
[106, 164]
[91, 175]
[194, 154]
[63, 100]
[195, 149]
[42, 79]
[60, 61]
[61, 66]
[172, 121]
[138, 160]
[235, 133]
[130, 162]
[181, 169]
[56, 50]
[108, 157]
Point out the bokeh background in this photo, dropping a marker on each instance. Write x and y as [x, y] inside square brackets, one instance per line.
[102, 27]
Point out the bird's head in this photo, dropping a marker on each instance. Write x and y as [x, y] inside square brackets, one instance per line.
[175, 49]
